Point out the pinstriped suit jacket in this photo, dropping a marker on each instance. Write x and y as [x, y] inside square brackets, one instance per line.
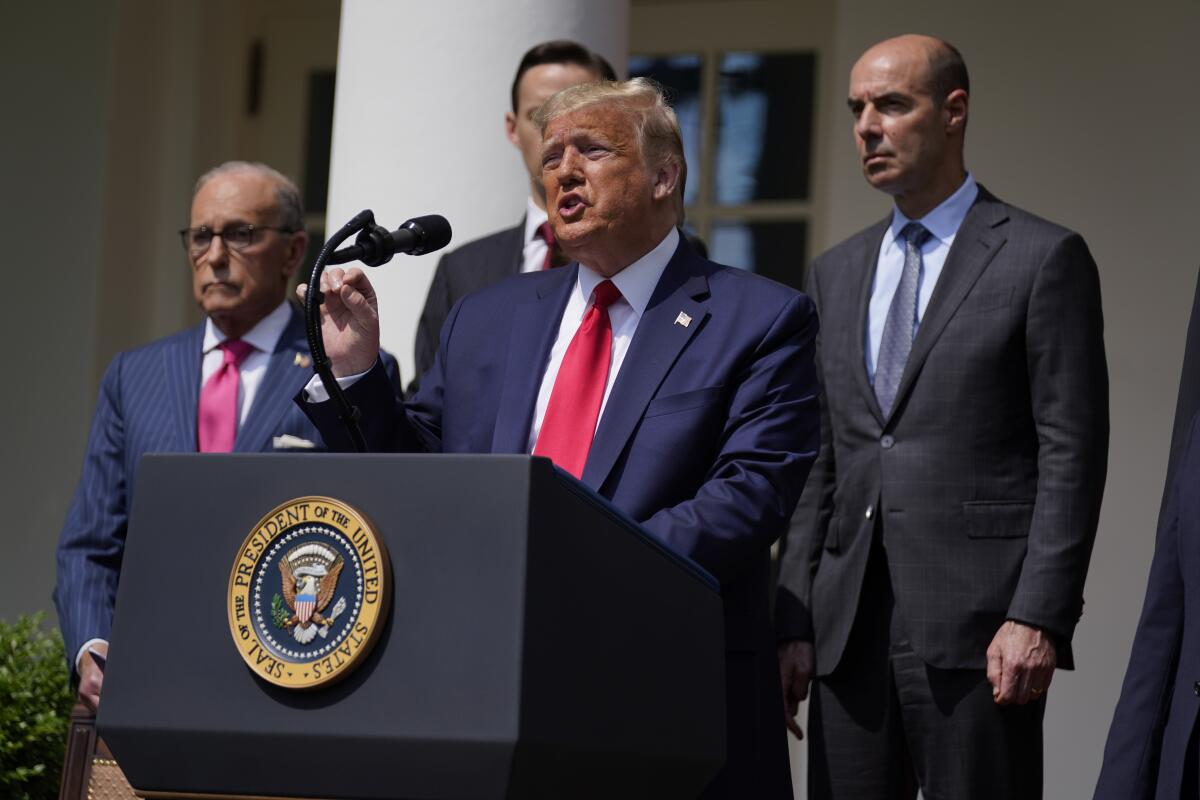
[147, 404]
[987, 475]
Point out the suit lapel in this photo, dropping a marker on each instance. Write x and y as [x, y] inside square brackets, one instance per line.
[284, 377]
[872, 241]
[534, 326]
[655, 347]
[181, 366]
[975, 245]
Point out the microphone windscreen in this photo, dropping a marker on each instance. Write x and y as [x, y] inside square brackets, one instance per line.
[432, 230]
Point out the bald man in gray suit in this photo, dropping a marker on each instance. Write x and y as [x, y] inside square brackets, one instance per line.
[933, 575]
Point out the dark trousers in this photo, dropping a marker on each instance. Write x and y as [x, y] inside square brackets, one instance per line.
[1190, 785]
[885, 723]
[756, 762]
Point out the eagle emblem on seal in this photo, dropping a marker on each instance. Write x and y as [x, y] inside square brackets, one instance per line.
[310, 576]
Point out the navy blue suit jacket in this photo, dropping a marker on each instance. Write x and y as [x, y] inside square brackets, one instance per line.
[1148, 741]
[147, 404]
[706, 439]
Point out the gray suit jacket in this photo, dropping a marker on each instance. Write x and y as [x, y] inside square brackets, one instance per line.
[988, 473]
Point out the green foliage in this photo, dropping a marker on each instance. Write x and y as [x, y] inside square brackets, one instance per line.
[35, 709]
[279, 612]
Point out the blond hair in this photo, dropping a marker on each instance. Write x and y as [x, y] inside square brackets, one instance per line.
[654, 121]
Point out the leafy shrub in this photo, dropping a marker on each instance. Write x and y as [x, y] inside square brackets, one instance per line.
[35, 709]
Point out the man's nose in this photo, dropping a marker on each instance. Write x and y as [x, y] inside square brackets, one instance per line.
[217, 254]
[568, 171]
[867, 124]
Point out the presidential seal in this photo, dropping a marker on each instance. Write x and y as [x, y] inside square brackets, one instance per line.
[309, 593]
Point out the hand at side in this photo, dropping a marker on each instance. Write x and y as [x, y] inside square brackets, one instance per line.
[795, 670]
[91, 677]
[1020, 663]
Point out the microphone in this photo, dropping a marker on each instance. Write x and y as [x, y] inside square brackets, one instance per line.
[375, 245]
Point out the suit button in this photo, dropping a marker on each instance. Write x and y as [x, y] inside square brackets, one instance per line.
[871, 512]
[1196, 688]
[887, 441]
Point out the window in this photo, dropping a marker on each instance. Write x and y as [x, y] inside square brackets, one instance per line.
[747, 124]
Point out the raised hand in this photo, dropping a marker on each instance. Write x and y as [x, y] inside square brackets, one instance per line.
[349, 320]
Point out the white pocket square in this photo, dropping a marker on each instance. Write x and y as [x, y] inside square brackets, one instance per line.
[289, 442]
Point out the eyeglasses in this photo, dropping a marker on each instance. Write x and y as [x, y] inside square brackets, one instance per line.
[196, 241]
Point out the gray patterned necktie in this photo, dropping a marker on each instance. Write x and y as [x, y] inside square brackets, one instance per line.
[901, 319]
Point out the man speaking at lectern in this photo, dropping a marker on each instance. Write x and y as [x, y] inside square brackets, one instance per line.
[696, 380]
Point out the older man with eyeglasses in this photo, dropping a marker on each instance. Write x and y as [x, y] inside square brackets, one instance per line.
[225, 385]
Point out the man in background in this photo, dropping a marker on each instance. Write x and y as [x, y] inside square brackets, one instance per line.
[528, 246]
[224, 385]
[934, 572]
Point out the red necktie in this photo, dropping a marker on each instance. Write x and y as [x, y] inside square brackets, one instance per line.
[216, 422]
[574, 408]
[546, 233]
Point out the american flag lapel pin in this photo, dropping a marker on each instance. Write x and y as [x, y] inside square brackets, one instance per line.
[301, 360]
[683, 319]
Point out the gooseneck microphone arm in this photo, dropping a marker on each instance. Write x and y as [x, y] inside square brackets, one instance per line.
[313, 297]
[373, 247]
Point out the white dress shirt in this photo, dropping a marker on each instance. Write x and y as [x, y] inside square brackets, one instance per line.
[263, 336]
[636, 283]
[943, 223]
[533, 257]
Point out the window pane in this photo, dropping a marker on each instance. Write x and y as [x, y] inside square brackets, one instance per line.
[764, 127]
[776, 250]
[680, 75]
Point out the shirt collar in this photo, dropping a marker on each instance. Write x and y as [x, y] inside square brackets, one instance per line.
[945, 220]
[263, 336]
[637, 281]
[534, 217]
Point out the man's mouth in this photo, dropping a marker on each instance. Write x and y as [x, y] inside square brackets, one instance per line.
[571, 206]
[219, 286]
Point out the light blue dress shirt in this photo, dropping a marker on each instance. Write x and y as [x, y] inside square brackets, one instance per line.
[943, 223]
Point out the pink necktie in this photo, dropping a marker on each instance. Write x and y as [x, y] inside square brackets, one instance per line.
[574, 407]
[216, 422]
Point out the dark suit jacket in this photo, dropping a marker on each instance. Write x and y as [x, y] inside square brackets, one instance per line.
[1151, 728]
[147, 404]
[707, 436]
[990, 468]
[472, 267]
[1187, 403]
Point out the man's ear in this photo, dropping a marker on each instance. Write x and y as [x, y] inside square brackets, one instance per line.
[297, 248]
[955, 110]
[666, 179]
[510, 128]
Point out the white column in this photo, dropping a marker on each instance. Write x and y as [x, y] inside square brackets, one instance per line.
[419, 122]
